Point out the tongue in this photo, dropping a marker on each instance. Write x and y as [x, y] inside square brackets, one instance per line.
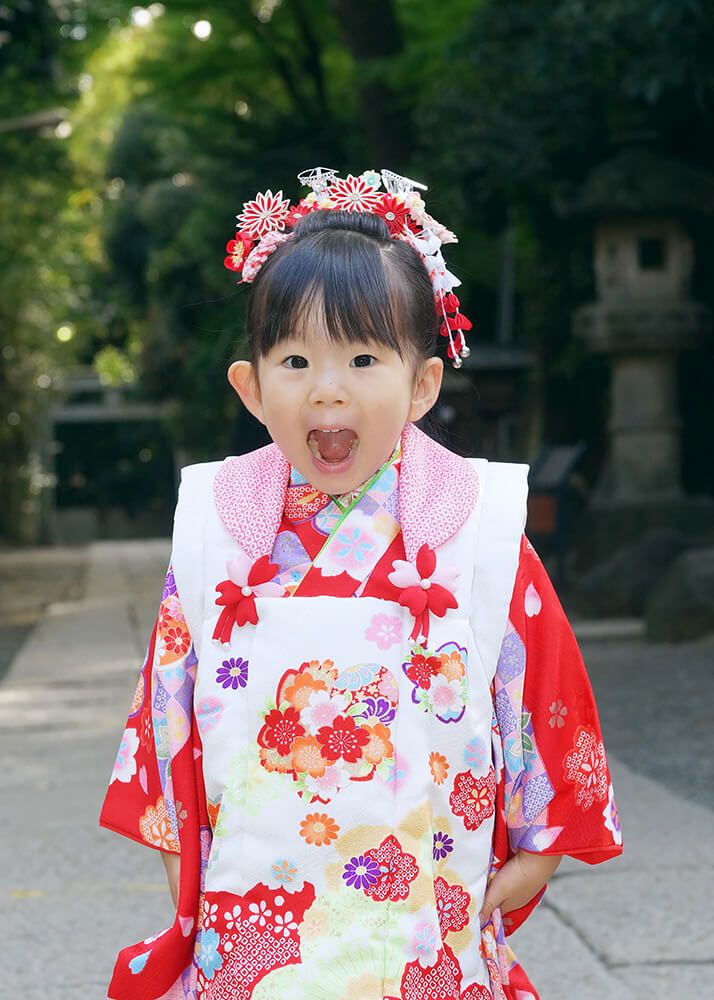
[333, 446]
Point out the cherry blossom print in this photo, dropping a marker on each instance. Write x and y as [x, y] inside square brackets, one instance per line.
[280, 729]
[254, 935]
[558, 711]
[585, 766]
[246, 581]
[443, 846]
[439, 767]
[426, 588]
[384, 630]
[307, 756]
[473, 799]
[439, 680]
[612, 821]
[532, 602]
[452, 905]
[208, 713]
[354, 194]
[322, 710]
[284, 872]
[125, 763]
[344, 738]
[397, 870]
[422, 668]
[476, 754]
[233, 673]
[361, 872]
[440, 979]
[155, 827]
[339, 733]
[267, 211]
[379, 746]
[425, 942]
[208, 957]
[318, 829]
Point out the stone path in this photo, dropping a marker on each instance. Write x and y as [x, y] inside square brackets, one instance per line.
[71, 893]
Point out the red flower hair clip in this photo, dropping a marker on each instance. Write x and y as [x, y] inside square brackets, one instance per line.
[425, 589]
[268, 220]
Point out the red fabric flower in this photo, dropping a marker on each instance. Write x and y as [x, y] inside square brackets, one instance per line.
[238, 249]
[586, 767]
[238, 593]
[395, 213]
[422, 669]
[267, 211]
[342, 739]
[354, 194]
[424, 589]
[280, 729]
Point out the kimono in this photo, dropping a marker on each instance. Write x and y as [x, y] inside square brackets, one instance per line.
[353, 711]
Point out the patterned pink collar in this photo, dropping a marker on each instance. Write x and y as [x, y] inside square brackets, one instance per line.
[437, 491]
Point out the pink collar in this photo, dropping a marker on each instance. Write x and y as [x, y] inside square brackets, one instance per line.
[437, 491]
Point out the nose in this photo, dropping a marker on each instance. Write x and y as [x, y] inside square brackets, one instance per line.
[328, 389]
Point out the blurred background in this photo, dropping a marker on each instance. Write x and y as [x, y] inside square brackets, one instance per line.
[569, 144]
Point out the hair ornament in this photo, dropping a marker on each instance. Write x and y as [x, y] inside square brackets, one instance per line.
[267, 221]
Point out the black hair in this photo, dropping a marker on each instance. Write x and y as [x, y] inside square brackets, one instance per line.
[368, 286]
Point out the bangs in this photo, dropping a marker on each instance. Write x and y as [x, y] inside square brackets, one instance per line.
[337, 284]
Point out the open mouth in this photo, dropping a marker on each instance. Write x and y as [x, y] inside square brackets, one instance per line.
[332, 446]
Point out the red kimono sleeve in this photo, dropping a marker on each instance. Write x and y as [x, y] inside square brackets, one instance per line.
[556, 796]
[156, 796]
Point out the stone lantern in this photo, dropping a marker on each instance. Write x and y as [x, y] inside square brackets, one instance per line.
[642, 319]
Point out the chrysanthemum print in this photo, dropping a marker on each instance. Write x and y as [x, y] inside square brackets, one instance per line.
[439, 680]
[328, 727]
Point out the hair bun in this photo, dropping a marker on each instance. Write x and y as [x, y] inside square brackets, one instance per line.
[355, 222]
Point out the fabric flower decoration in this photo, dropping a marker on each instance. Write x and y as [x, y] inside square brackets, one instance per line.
[267, 211]
[237, 594]
[237, 250]
[425, 589]
[354, 194]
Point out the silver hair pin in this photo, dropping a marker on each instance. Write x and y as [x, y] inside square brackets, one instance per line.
[396, 184]
[318, 178]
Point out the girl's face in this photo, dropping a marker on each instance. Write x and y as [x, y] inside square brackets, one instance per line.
[336, 411]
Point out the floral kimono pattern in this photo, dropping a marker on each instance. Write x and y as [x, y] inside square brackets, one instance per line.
[533, 775]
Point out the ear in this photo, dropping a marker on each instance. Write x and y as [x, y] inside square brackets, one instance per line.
[427, 386]
[242, 376]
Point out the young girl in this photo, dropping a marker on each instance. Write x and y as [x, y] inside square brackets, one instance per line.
[363, 736]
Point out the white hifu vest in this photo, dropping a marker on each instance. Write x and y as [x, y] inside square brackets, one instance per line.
[262, 812]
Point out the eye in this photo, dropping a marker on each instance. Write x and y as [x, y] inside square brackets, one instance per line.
[295, 361]
[364, 360]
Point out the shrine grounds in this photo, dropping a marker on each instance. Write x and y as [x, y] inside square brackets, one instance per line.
[73, 628]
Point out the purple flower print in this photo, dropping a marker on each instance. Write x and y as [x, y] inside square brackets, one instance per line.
[169, 585]
[379, 708]
[233, 673]
[443, 845]
[361, 872]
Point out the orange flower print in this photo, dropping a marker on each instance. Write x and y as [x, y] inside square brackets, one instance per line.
[174, 640]
[298, 693]
[307, 756]
[379, 745]
[318, 829]
[452, 666]
[155, 827]
[439, 766]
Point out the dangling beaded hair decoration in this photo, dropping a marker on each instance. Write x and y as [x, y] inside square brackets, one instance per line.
[268, 219]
